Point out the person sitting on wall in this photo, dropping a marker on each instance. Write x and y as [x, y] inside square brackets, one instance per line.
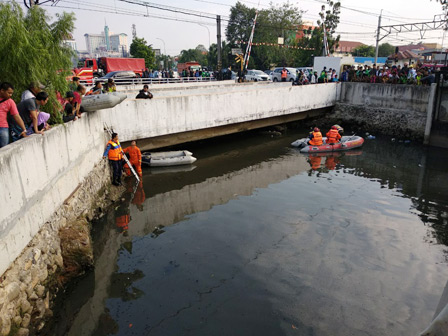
[8, 108]
[33, 89]
[110, 86]
[69, 111]
[115, 155]
[135, 158]
[144, 93]
[77, 99]
[97, 89]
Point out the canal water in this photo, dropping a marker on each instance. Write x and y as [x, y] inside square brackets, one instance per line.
[257, 239]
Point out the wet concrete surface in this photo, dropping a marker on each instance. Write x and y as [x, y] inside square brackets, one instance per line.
[252, 240]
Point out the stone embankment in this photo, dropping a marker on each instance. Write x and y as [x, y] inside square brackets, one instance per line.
[60, 251]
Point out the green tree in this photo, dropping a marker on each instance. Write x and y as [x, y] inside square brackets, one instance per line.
[314, 41]
[32, 49]
[385, 49]
[166, 60]
[193, 55]
[276, 21]
[364, 51]
[140, 49]
[226, 55]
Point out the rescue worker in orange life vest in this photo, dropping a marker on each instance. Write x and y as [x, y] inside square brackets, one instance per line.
[340, 130]
[315, 137]
[333, 135]
[135, 158]
[115, 155]
[284, 74]
[315, 162]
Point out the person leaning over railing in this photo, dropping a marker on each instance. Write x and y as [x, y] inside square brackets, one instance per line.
[29, 110]
[8, 108]
[77, 99]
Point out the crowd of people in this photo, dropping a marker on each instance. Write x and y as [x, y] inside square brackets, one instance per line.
[416, 74]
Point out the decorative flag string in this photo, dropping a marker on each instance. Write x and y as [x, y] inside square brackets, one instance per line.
[274, 45]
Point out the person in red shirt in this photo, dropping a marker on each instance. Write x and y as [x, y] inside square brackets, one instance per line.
[135, 158]
[8, 106]
[77, 100]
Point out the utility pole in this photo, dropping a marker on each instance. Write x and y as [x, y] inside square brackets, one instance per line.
[378, 37]
[218, 35]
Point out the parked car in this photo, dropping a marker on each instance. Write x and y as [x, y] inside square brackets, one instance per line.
[256, 76]
[277, 74]
[269, 73]
[121, 77]
[309, 69]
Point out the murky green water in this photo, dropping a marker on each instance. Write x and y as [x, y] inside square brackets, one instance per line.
[252, 240]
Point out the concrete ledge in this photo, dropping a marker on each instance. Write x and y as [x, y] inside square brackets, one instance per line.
[38, 173]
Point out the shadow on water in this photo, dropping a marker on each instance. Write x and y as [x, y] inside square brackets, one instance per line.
[208, 251]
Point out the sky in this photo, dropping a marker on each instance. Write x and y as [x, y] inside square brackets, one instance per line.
[169, 32]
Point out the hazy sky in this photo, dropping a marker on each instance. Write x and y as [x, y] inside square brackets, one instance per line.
[178, 35]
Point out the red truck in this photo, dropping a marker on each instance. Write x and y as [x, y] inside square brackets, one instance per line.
[188, 66]
[92, 68]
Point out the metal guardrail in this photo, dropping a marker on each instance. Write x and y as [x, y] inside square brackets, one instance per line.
[149, 81]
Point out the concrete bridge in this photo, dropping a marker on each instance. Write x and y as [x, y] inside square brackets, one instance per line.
[182, 113]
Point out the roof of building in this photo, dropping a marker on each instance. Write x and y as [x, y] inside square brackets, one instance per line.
[348, 45]
[405, 55]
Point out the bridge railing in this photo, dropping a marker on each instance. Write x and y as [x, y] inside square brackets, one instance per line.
[149, 81]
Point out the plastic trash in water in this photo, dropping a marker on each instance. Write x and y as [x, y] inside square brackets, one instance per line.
[407, 141]
[367, 134]
[393, 139]
[370, 137]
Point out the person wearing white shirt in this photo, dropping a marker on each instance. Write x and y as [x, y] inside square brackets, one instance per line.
[33, 89]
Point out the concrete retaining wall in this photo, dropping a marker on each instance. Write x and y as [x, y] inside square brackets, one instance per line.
[38, 174]
[399, 110]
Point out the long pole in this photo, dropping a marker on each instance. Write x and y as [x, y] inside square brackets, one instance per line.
[378, 38]
[218, 36]
[249, 45]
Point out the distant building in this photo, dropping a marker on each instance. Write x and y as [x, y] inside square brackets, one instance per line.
[346, 47]
[107, 44]
[71, 43]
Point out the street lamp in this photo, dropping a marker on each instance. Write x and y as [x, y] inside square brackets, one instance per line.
[208, 34]
[164, 50]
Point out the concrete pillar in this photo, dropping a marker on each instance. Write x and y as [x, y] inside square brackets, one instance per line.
[430, 111]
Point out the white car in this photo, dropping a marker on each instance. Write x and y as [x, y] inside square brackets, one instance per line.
[256, 76]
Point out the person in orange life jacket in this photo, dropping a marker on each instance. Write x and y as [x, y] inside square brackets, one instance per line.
[139, 196]
[333, 135]
[340, 130]
[331, 162]
[284, 74]
[315, 137]
[135, 158]
[315, 162]
[115, 155]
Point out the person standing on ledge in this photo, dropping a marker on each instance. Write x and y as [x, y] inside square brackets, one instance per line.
[135, 159]
[115, 155]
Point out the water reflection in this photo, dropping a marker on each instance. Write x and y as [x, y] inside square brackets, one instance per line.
[260, 239]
